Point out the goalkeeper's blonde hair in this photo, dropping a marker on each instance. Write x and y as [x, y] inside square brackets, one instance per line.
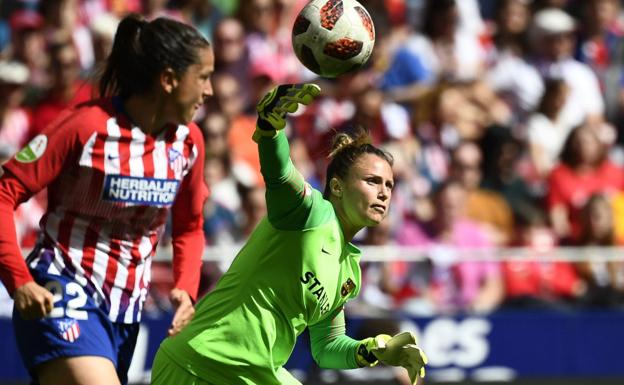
[346, 148]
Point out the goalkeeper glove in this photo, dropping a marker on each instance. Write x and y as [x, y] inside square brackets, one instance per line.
[400, 350]
[274, 106]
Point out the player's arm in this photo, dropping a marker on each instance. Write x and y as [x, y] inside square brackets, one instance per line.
[331, 347]
[32, 169]
[188, 237]
[287, 192]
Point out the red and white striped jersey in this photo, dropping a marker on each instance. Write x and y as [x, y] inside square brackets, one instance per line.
[110, 188]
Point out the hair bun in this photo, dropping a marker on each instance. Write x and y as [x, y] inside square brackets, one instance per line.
[343, 140]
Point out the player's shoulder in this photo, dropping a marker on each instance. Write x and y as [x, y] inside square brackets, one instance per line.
[101, 108]
[195, 136]
[83, 115]
[195, 133]
[80, 120]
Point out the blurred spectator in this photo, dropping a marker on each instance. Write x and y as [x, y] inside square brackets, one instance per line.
[63, 22]
[243, 151]
[215, 129]
[66, 87]
[253, 208]
[486, 207]
[597, 229]
[531, 283]
[219, 178]
[28, 45]
[231, 55]
[542, 4]
[403, 77]
[269, 42]
[502, 172]
[317, 123]
[584, 170]
[435, 131]
[300, 155]
[222, 208]
[510, 75]
[396, 284]
[103, 28]
[546, 132]
[444, 50]
[385, 121]
[380, 291]
[226, 7]
[202, 14]
[513, 18]
[601, 45]
[553, 39]
[153, 9]
[456, 284]
[14, 120]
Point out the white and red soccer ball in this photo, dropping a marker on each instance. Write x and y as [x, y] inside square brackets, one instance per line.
[333, 37]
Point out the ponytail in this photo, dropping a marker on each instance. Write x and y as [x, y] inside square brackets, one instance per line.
[142, 49]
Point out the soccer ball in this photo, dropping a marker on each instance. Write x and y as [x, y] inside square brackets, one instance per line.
[333, 37]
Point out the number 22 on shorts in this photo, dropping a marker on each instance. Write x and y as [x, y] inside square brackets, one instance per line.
[72, 289]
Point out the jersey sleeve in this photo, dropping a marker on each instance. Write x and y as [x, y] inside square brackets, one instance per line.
[47, 154]
[13, 270]
[331, 347]
[29, 171]
[188, 219]
[290, 200]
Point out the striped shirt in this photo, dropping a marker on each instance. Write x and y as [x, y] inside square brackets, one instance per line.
[110, 189]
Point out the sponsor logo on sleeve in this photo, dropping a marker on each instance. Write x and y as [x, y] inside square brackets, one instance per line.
[33, 150]
[144, 191]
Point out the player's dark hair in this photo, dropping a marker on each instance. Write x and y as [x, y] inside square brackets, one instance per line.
[433, 10]
[345, 150]
[142, 49]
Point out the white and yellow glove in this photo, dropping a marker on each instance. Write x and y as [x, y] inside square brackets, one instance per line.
[400, 350]
[274, 106]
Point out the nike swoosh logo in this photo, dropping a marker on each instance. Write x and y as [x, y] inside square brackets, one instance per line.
[112, 157]
[325, 251]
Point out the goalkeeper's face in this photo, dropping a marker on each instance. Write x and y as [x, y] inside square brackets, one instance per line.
[365, 194]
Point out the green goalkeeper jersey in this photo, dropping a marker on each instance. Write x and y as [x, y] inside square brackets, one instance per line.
[296, 270]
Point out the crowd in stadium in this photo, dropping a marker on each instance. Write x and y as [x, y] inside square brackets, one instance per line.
[504, 117]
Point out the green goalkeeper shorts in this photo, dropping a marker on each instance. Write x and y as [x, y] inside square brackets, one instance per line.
[167, 372]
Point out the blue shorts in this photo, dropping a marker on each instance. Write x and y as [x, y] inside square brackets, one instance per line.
[75, 327]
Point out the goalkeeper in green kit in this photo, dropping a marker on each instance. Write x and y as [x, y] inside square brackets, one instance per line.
[297, 270]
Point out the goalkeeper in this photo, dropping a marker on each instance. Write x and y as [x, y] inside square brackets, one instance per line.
[297, 269]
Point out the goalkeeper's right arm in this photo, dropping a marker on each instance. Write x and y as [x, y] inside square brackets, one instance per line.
[287, 190]
[274, 106]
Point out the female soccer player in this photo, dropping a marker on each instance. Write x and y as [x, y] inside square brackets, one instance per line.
[114, 167]
[297, 269]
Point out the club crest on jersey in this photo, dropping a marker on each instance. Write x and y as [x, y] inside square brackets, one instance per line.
[144, 191]
[347, 287]
[176, 162]
[69, 329]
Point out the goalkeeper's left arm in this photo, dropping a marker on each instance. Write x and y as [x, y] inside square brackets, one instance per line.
[332, 349]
